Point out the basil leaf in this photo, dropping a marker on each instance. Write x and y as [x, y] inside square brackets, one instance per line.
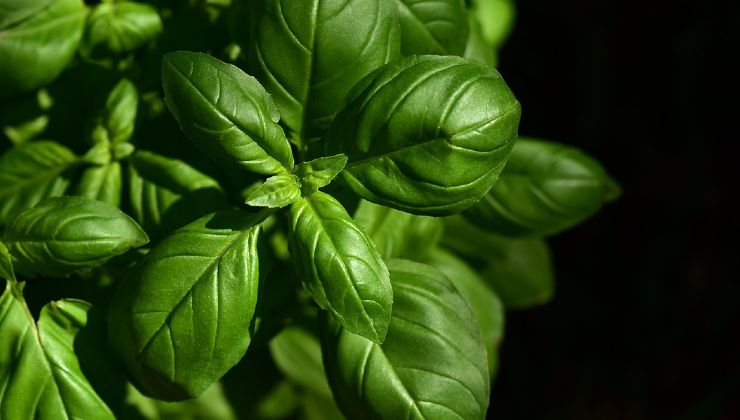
[432, 364]
[545, 188]
[496, 18]
[433, 26]
[119, 113]
[318, 408]
[339, 265]
[31, 172]
[277, 191]
[62, 235]
[227, 113]
[6, 264]
[476, 48]
[308, 54]
[120, 27]
[165, 194]
[13, 11]
[297, 353]
[102, 183]
[397, 234]
[36, 50]
[426, 134]
[319, 172]
[486, 306]
[211, 405]
[183, 316]
[519, 270]
[40, 374]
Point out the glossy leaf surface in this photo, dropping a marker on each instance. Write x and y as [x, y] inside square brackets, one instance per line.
[486, 306]
[319, 172]
[277, 191]
[308, 54]
[65, 234]
[426, 134]
[339, 265]
[397, 234]
[227, 113]
[40, 373]
[30, 173]
[37, 49]
[120, 27]
[433, 26]
[545, 188]
[432, 364]
[520, 271]
[183, 316]
[102, 183]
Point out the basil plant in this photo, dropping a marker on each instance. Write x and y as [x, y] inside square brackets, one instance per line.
[267, 209]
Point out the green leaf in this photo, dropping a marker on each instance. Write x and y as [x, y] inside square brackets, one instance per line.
[319, 172]
[310, 53]
[183, 316]
[36, 50]
[339, 266]
[30, 173]
[397, 234]
[119, 113]
[13, 11]
[426, 134]
[65, 234]
[486, 306]
[277, 191]
[120, 27]
[496, 18]
[40, 374]
[519, 270]
[6, 264]
[476, 48]
[297, 353]
[433, 26]
[102, 183]
[544, 189]
[165, 194]
[227, 113]
[212, 405]
[432, 364]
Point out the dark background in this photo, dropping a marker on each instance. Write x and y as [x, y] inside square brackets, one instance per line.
[645, 317]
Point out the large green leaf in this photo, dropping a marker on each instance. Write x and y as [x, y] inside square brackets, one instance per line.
[545, 188]
[65, 234]
[30, 173]
[308, 54]
[102, 183]
[397, 234]
[433, 26]
[227, 113]
[183, 316]
[41, 376]
[165, 194]
[120, 27]
[520, 271]
[339, 266]
[13, 11]
[432, 364]
[487, 307]
[297, 353]
[37, 49]
[426, 134]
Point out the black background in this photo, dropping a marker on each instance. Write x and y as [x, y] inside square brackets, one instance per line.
[645, 317]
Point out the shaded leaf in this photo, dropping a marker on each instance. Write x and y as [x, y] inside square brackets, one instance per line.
[433, 26]
[120, 27]
[297, 353]
[102, 183]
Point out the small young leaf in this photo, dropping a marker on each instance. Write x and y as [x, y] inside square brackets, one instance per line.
[544, 189]
[297, 353]
[62, 235]
[30, 173]
[486, 306]
[6, 264]
[339, 266]
[476, 48]
[433, 26]
[519, 270]
[120, 27]
[432, 364]
[426, 134]
[37, 49]
[40, 373]
[102, 183]
[319, 172]
[397, 234]
[496, 19]
[227, 113]
[119, 114]
[278, 191]
[183, 316]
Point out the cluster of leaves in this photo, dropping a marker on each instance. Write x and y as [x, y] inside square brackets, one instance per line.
[340, 235]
